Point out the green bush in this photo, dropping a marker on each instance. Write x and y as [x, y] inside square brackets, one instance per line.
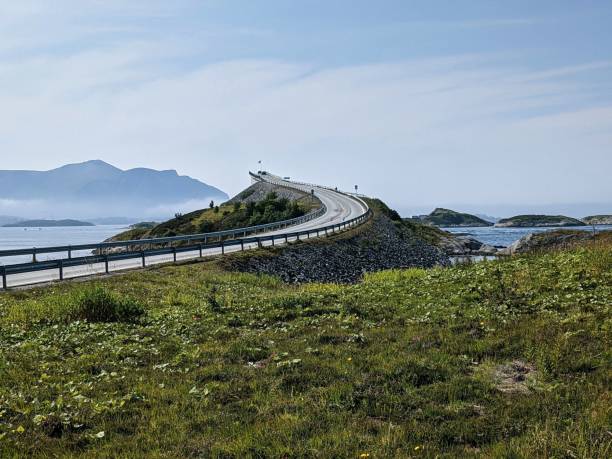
[96, 304]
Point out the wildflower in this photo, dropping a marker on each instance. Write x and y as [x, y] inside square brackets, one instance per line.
[349, 359]
[418, 447]
[364, 455]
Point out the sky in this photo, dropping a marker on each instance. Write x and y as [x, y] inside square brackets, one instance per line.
[482, 106]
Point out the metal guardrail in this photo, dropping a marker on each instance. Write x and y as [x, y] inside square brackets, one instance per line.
[61, 264]
[201, 239]
[166, 240]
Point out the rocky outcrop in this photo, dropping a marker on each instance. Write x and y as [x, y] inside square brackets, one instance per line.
[525, 221]
[455, 245]
[547, 240]
[598, 220]
[449, 218]
[379, 244]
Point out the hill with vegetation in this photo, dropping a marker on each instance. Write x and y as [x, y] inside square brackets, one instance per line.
[538, 221]
[598, 220]
[506, 358]
[46, 223]
[235, 214]
[450, 218]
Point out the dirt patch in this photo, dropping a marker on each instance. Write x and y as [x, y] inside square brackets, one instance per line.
[514, 377]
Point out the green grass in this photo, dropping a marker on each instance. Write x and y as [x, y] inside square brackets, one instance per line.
[408, 363]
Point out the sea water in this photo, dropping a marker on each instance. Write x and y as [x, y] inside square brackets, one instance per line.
[503, 237]
[27, 238]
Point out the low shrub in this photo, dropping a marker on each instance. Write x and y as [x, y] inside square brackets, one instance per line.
[96, 304]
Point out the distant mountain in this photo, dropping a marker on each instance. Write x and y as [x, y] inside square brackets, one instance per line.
[95, 188]
[46, 223]
[450, 218]
[538, 221]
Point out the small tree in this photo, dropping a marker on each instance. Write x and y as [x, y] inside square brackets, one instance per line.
[250, 208]
[237, 206]
[216, 209]
[212, 204]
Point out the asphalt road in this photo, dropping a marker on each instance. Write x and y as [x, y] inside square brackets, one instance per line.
[340, 208]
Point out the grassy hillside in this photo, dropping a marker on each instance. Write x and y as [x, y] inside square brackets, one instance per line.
[449, 218]
[226, 216]
[497, 359]
[428, 233]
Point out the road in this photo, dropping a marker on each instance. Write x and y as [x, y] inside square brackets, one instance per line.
[340, 208]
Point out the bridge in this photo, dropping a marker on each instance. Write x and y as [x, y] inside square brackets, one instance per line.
[339, 211]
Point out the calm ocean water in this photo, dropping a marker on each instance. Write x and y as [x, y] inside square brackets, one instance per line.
[506, 236]
[21, 238]
[18, 238]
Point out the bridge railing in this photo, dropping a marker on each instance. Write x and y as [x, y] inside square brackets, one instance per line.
[245, 243]
[136, 248]
[199, 237]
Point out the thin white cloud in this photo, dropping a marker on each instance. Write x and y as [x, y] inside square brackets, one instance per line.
[411, 131]
[498, 22]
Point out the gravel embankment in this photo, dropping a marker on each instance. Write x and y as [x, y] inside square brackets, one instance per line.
[377, 245]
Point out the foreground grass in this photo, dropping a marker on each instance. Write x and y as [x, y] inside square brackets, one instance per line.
[499, 359]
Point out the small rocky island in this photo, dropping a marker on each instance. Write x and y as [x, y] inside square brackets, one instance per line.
[598, 220]
[46, 223]
[450, 218]
[525, 221]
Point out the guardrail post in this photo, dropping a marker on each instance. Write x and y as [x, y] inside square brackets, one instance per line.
[61, 269]
[69, 253]
[200, 250]
[222, 247]
[174, 253]
[4, 285]
[273, 240]
[242, 245]
[142, 254]
[286, 239]
[34, 255]
[106, 263]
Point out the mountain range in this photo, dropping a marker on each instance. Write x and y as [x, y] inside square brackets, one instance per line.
[98, 189]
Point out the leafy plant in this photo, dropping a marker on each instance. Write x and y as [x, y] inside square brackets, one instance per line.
[96, 304]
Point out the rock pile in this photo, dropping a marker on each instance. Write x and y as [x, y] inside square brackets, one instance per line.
[377, 245]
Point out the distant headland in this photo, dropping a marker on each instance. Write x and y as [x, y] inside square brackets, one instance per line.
[46, 223]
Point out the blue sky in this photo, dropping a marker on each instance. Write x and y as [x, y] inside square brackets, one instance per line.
[479, 105]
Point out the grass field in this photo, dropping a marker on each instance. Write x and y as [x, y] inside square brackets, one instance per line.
[497, 359]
